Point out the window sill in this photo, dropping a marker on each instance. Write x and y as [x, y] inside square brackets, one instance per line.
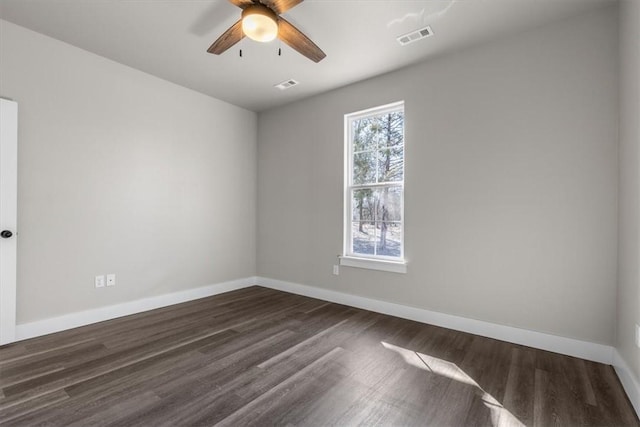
[374, 264]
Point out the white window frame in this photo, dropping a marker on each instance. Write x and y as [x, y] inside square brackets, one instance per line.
[349, 258]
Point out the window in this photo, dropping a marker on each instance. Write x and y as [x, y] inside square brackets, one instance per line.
[374, 190]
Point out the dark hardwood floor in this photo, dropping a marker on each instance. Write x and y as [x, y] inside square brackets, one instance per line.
[262, 357]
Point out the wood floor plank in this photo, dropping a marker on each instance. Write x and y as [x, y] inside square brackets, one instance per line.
[260, 357]
[116, 410]
[264, 409]
[31, 406]
[101, 398]
[49, 362]
[519, 394]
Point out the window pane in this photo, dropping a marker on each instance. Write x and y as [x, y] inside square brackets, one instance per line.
[391, 164]
[388, 239]
[392, 129]
[363, 139]
[363, 235]
[362, 202]
[364, 167]
[377, 130]
[388, 204]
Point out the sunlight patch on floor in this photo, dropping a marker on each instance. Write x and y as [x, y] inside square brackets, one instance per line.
[500, 416]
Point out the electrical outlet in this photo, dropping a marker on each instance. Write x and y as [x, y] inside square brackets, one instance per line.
[638, 335]
[111, 279]
[99, 282]
[336, 270]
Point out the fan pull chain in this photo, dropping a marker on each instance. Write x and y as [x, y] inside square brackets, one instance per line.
[240, 46]
[279, 51]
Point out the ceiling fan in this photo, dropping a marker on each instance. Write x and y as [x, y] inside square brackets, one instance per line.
[261, 21]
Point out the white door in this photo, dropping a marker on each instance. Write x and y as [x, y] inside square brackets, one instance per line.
[8, 218]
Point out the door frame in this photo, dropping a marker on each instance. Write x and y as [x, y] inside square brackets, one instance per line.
[8, 217]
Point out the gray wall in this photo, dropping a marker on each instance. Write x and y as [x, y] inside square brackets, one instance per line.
[121, 172]
[511, 182]
[629, 231]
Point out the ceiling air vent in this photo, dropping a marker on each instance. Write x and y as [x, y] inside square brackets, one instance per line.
[416, 35]
[287, 84]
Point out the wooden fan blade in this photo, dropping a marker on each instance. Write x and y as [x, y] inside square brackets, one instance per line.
[230, 37]
[281, 6]
[298, 41]
[242, 3]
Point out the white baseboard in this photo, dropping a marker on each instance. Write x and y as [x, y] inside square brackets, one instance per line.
[628, 380]
[82, 318]
[569, 346]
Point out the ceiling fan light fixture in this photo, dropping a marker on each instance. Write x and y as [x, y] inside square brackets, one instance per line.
[259, 23]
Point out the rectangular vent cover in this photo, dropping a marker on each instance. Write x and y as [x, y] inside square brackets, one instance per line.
[414, 36]
[287, 84]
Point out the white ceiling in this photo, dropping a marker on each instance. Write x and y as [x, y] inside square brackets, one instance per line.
[169, 38]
